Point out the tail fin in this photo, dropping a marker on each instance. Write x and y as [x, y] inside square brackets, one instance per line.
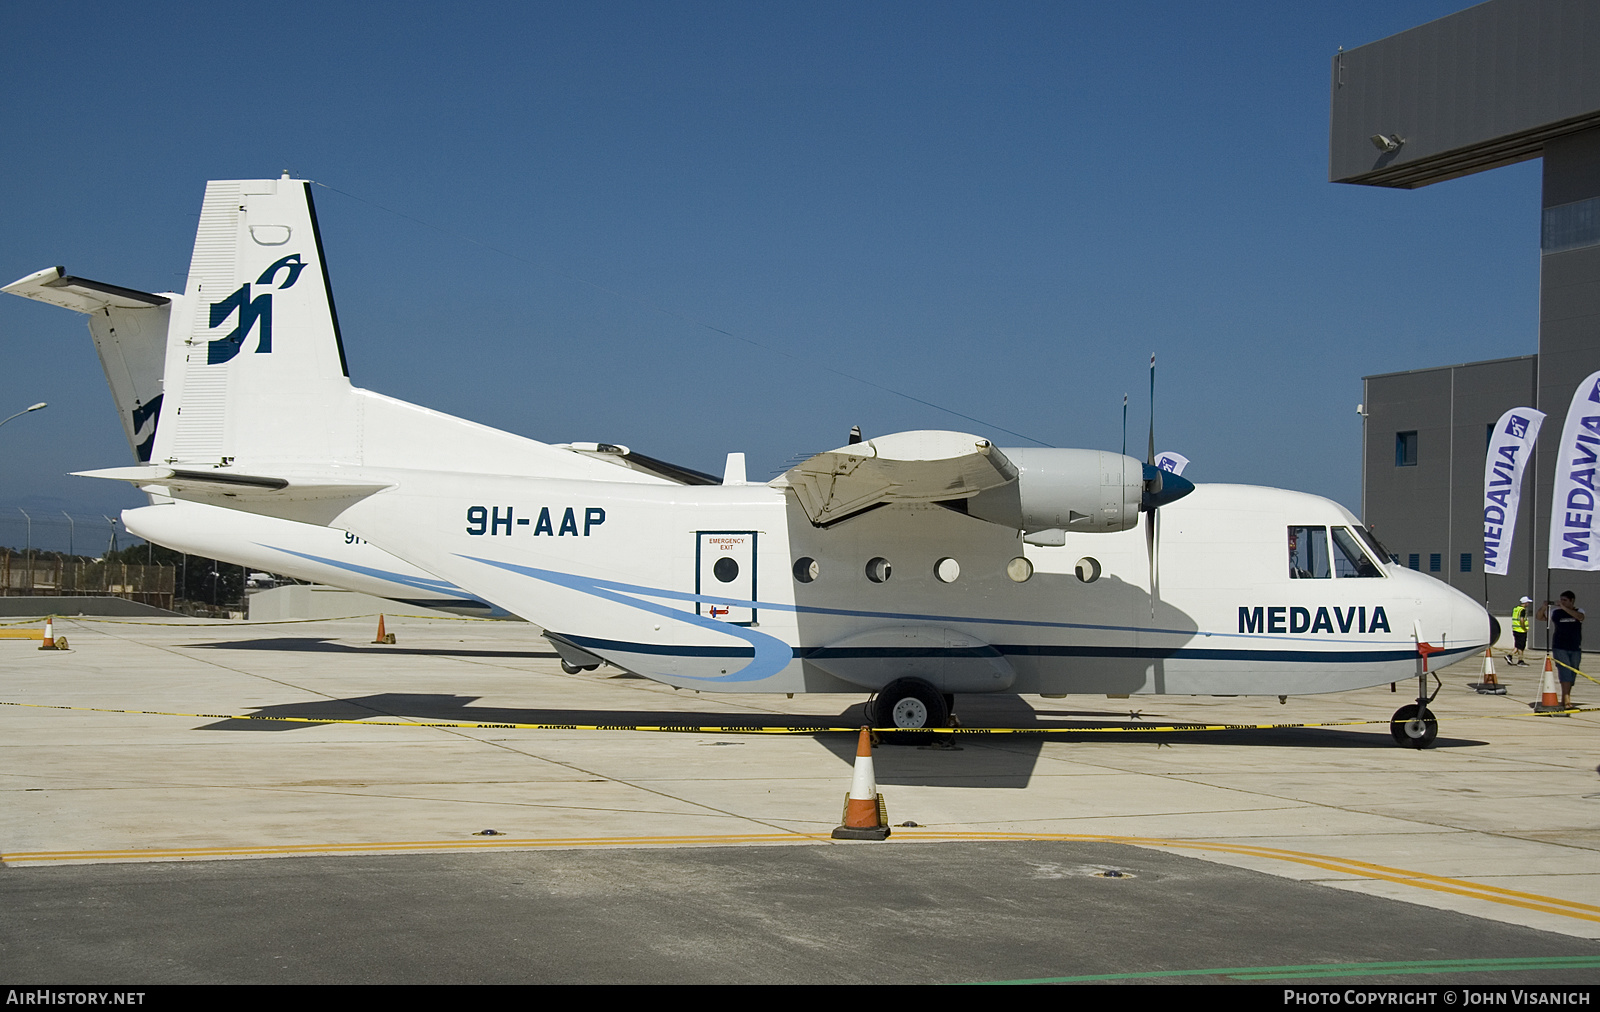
[257, 401]
[130, 335]
[255, 336]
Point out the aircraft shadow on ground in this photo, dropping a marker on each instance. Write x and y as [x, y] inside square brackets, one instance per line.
[457, 709]
[1005, 761]
[318, 645]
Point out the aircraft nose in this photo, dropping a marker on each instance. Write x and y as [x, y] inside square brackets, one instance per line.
[1446, 616]
[1470, 623]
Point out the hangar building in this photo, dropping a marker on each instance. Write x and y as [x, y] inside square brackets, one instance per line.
[1503, 82]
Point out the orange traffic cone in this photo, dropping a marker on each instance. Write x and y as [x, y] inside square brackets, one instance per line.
[1549, 691]
[49, 641]
[865, 817]
[1490, 686]
[383, 637]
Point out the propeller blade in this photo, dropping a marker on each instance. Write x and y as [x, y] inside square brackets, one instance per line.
[1150, 457]
[1152, 548]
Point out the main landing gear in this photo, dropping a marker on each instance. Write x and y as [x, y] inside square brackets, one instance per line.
[1413, 725]
[910, 703]
[572, 669]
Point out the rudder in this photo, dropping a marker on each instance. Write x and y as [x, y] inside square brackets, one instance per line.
[257, 335]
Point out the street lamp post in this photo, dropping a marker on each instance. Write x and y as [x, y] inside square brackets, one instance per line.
[29, 550]
[24, 411]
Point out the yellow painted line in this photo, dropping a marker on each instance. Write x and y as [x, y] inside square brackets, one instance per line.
[21, 634]
[1347, 866]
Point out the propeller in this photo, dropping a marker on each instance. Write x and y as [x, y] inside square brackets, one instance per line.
[1160, 488]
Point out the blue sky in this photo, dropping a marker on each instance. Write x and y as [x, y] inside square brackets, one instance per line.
[1001, 208]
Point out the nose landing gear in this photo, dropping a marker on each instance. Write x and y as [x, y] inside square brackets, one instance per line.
[1413, 725]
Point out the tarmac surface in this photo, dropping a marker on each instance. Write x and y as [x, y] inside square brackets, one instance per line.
[162, 847]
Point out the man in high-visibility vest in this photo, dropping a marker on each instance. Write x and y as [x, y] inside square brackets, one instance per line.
[1519, 631]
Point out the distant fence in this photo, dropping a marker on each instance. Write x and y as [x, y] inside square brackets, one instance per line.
[57, 531]
[24, 575]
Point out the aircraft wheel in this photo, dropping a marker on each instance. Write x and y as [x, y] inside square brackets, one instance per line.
[569, 667]
[910, 703]
[1410, 732]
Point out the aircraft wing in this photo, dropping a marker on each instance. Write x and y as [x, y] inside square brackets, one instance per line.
[55, 286]
[905, 467]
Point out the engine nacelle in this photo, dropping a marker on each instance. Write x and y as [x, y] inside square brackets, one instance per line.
[1068, 490]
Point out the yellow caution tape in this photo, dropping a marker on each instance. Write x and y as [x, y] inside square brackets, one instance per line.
[751, 728]
[207, 623]
[1569, 667]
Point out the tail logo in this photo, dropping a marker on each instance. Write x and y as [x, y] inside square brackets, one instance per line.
[143, 413]
[251, 312]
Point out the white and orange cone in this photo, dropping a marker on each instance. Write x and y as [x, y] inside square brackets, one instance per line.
[864, 817]
[1490, 684]
[1549, 691]
[383, 637]
[49, 639]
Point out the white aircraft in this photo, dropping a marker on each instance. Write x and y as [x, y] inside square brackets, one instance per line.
[914, 566]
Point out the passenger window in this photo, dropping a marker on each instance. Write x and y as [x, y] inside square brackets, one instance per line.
[1308, 553]
[1349, 561]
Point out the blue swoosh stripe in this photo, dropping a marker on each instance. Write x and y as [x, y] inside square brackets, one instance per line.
[769, 655]
[437, 586]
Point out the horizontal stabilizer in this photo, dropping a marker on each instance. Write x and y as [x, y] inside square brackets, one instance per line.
[204, 484]
[905, 467]
[55, 286]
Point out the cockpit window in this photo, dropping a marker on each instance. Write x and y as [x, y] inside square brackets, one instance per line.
[1349, 562]
[1379, 551]
[1308, 553]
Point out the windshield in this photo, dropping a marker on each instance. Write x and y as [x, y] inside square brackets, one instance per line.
[1378, 549]
[1348, 559]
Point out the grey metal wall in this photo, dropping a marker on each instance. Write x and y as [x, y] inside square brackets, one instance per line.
[1569, 316]
[1487, 86]
[1435, 507]
[1497, 83]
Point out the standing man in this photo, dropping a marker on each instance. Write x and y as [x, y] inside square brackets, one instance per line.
[1566, 645]
[1519, 631]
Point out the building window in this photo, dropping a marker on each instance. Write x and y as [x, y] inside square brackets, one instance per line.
[1415, 561]
[1466, 562]
[1435, 562]
[1570, 226]
[1405, 449]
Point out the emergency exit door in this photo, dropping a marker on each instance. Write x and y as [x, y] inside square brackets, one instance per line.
[725, 569]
